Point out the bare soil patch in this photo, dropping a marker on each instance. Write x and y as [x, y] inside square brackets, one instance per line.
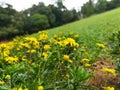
[102, 78]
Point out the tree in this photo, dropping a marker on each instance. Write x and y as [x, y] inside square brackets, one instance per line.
[87, 9]
[101, 6]
[75, 15]
[116, 3]
[60, 5]
[6, 15]
[67, 16]
[37, 22]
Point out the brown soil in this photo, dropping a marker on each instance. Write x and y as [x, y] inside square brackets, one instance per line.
[102, 78]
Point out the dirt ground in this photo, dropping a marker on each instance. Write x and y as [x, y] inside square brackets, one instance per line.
[102, 78]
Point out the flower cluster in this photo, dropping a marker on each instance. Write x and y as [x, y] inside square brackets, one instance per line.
[108, 88]
[31, 63]
[67, 58]
[112, 71]
[100, 45]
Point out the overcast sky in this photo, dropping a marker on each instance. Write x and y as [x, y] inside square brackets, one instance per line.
[24, 4]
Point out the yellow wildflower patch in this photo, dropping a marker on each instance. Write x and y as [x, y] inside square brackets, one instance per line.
[43, 36]
[84, 60]
[112, 71]
[87, 65]
[45, 54]
[40, 87]
[108, 88]
[7, 76]
[100, 45]
[11, 60]
[2, 82]
[66, 57]
[47, 47]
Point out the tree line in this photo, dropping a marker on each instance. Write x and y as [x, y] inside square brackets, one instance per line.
[38, 17]
[91, 7]
[41, 17]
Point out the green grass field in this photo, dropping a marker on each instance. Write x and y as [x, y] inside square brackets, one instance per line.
[96, 28]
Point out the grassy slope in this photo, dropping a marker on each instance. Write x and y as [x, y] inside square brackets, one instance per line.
[95, 27]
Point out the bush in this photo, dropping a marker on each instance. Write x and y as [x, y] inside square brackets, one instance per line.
[115, 47]
[36, 22]
[7, 33]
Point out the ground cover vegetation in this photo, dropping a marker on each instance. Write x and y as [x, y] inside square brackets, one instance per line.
[60, 62]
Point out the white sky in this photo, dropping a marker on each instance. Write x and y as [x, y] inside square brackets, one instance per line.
[24, 4]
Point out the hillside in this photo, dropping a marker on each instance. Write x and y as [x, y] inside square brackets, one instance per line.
[96, 28]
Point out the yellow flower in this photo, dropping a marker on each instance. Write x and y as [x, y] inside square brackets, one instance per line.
[33, 51]
[85, 60]
[40, 87]
[87, 65]
[108, 88]
[31, 39]
[18, 48]
[26, 45]
[6, 53]
[3, 46]
[83, 47]
[66, 57]
[100, 45]
[70, 61]
[76, 36]
[7, 76]
[71, 33]
[68, 41]
[55, 36]
[26, 89]
[47, 47]
[75, 49]
[23, 58]
[44, 54]
[2, 82]
[11, 60]
[56, 42]
[14, 88]
[71, 42]
[112, 71]
[43, 36]
[20, 88]
[60, 32]
[67, 75]
[88, 54]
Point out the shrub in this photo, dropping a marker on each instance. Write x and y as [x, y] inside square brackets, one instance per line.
[36, 22]
[60, 62]
[115, 47]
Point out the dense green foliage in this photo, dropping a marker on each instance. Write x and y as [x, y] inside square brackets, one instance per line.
[36, 23]
[115, 47]
[38, 17]
[90, 7]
